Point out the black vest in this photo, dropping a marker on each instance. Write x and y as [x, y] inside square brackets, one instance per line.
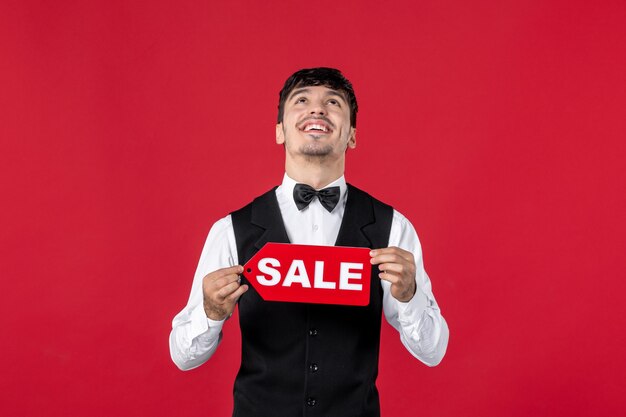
[309, 359]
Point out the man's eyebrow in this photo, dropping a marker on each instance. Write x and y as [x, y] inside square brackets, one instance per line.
[330, 92]
[337, 93]
[298, 91]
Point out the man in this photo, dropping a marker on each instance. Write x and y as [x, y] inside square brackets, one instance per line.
[311, 359]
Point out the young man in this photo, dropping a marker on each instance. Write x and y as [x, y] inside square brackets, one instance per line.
[311, 359]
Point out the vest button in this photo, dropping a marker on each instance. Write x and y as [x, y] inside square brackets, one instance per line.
[313, 332]
[311, 402]
[313, 367]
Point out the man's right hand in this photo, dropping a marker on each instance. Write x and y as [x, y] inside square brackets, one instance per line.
[221, 291]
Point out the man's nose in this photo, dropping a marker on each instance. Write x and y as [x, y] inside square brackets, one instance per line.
[317, 108]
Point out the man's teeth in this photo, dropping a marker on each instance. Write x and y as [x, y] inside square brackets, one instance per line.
[315, 127]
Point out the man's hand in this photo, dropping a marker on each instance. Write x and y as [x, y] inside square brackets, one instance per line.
[221, 291]
[398, 267]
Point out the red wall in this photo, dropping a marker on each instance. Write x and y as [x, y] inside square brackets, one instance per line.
[497, 127]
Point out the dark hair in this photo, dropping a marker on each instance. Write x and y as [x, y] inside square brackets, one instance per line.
[322, 76]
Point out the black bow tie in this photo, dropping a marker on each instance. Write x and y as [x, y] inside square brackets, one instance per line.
[303, 194]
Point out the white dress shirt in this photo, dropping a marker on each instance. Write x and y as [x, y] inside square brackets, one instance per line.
[423, 330]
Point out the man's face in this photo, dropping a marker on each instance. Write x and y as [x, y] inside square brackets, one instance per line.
[316, 124]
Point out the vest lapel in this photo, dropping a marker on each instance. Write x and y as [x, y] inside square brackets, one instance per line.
[358, 216]
[266, 214]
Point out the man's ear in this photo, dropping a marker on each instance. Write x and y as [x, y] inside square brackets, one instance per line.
[280, 134]
[352, 138]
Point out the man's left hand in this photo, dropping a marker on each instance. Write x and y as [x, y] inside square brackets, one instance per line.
[398, 267]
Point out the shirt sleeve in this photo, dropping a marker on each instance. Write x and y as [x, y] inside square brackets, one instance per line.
[195, 337]
[423, 330]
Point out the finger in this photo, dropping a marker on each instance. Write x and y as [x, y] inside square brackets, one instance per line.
[236, 294]
[393, 250]
[213, 285]
[225, 280]
[390, 277]
[219, 273]
[394, 267]
[227, 290]
[388, 257]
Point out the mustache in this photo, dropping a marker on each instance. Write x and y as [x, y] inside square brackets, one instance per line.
[322, 118]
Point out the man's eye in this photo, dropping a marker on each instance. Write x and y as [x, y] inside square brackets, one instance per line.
[333, 102]
[301, 100]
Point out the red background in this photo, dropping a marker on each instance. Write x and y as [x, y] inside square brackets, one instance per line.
[497, 127]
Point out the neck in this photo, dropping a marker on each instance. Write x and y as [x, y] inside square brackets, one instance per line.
[313, 173]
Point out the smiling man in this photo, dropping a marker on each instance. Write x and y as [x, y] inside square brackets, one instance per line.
[311, 359]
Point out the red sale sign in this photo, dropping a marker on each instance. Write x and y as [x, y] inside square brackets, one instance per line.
[311, 274]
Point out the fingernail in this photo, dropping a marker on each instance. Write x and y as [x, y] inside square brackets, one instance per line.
[372, 253]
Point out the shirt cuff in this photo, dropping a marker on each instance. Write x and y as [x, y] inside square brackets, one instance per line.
[201, 324]
[407, 312]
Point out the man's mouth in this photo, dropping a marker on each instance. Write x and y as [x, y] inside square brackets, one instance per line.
[315, 126]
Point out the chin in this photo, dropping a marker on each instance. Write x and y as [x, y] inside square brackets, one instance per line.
[318, 151]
